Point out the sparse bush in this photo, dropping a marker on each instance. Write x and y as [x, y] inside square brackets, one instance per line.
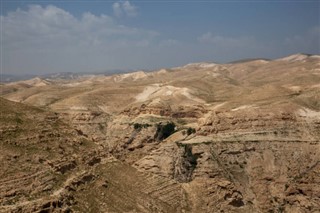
[101, 127]
[146, 125]
[191, 131]
[17, 119]
[138, 126]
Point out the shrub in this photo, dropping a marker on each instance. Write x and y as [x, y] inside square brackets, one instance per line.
[146, 125]
[138, 126]
[191, 131]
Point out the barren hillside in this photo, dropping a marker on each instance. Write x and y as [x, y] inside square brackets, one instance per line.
[204, 137]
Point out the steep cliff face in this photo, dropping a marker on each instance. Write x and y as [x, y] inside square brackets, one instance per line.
[277, 123]
[247, 162]
[255, 176]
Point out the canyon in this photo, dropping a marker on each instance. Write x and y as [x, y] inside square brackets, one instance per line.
[204, 137]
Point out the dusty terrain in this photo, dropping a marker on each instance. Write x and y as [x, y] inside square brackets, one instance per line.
[246, 139]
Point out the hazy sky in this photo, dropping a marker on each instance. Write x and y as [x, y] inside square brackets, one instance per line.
[41, 37]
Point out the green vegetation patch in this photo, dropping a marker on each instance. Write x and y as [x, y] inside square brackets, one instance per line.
[138, 126]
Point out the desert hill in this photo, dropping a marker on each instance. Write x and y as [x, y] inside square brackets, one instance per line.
[204, 137]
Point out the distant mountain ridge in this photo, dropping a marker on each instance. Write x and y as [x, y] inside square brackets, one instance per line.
[7, 78]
